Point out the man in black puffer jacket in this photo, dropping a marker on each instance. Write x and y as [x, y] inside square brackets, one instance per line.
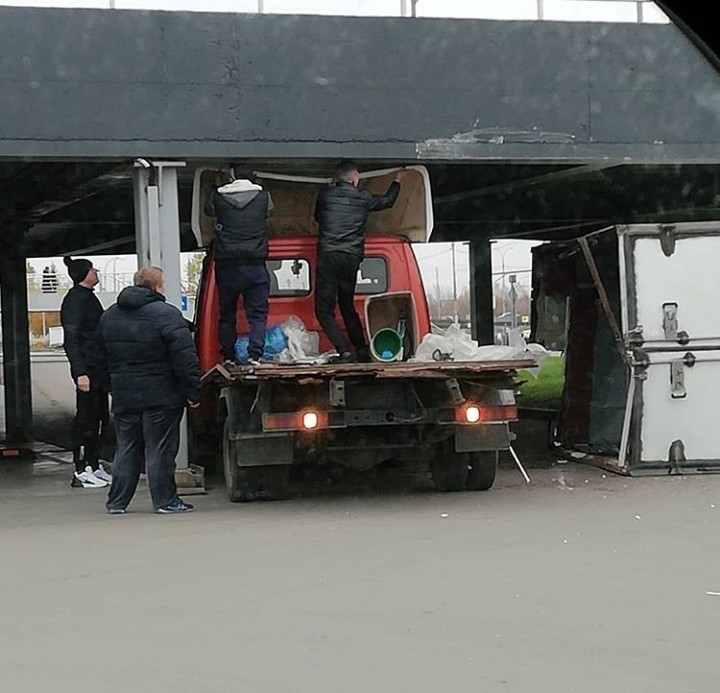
[154, 373]
[240, 250]
[342, 211]
[80, 314]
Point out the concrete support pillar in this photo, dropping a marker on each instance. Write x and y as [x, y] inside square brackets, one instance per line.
[481, 292]
[157, 234]
[15, 338]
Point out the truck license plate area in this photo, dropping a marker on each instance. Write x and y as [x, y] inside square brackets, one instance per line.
[372, 417]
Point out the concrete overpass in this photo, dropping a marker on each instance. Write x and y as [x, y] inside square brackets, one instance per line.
[529, 129]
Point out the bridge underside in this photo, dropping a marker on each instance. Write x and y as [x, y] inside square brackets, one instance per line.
[535, 130]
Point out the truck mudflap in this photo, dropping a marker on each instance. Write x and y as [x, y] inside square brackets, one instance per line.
[264, 449]
[481, 438]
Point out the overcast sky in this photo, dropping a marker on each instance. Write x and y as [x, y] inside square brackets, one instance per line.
[563, 10]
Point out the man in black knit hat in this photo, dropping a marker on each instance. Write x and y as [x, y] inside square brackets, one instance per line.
[80, 314]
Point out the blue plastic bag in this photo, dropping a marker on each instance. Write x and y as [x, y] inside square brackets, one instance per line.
[275, 342]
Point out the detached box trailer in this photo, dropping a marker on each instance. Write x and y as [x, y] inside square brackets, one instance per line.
[643, 344]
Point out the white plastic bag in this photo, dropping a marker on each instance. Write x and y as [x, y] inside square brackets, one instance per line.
[303, 346]
[459, 346]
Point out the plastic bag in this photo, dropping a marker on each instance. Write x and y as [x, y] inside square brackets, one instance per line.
[301, 344]
[275, 343]
[456, 345]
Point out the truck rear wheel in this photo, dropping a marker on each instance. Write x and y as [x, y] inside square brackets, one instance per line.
[230, 466]
[247, 484]
[483, 468]
[269, 482]
[449, 468]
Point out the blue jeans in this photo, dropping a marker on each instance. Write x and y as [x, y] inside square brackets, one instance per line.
[149, 439]
[252, 282]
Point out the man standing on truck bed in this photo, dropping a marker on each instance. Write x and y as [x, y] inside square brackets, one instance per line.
[154, 373]
[342, 210]
[80, 315]
[241, 208]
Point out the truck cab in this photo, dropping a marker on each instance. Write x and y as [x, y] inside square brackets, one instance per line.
[389, 266]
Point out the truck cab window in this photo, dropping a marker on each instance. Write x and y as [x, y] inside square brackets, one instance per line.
[289, 277]
[372, 276]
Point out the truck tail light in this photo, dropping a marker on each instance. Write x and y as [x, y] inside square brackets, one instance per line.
[476, 413]
[472, 414]
[308, 420]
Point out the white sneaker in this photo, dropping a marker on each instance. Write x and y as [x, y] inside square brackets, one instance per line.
[101, 474]
[87, 479]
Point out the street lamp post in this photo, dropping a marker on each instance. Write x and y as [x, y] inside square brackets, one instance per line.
[513, 298]
[502, 254]
[454, 276]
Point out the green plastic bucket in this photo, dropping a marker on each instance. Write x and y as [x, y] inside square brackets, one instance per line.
[387, 345]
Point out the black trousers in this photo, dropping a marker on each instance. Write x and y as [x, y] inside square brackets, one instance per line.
[89, 425]
[149, 439]
[252, 282]
[335, 285]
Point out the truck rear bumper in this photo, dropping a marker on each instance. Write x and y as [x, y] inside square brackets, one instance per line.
[279, 448]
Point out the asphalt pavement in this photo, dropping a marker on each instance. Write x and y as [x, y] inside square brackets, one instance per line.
[581, 581]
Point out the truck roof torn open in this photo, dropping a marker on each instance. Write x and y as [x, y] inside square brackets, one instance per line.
[294, 197]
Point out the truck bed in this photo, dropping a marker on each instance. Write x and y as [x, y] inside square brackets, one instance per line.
[442, 369]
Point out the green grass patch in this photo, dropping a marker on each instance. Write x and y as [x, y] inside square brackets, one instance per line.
[545, 390]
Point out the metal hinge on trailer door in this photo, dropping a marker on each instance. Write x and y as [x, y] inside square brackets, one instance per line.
[677, 375]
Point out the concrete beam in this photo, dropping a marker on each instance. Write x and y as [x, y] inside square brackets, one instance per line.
[510, 187]
[40, 188]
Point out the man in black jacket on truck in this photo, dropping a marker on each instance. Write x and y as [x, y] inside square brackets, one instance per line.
[241, 208]
[154, 374]
[80, 314]
[342, 210]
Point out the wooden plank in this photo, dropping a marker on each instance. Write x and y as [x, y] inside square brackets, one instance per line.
[367, 370]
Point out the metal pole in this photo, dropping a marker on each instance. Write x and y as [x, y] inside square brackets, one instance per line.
[519, 465]
[157, 227]
[627, 420]
[639, 12]
[540, 9]
[513, 300]
[455, 310]
[504, 290]
[261, 6]
[437, 293]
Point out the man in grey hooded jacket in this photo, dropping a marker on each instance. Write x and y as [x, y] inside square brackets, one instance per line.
[241, 208]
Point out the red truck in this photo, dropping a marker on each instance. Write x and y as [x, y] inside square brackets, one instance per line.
[263, 420]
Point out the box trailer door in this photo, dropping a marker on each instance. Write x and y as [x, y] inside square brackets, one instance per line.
[674, 419]
[670, 284]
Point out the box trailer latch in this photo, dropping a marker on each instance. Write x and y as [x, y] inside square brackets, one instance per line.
[670, 323]
[677, 380]
[677, 375]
